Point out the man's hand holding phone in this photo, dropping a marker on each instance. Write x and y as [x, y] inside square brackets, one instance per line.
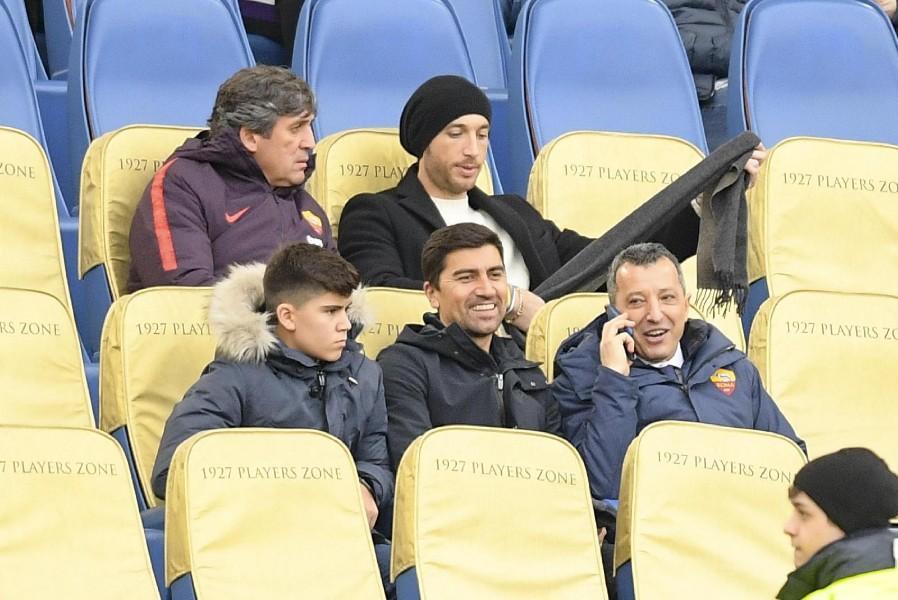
[618, 346]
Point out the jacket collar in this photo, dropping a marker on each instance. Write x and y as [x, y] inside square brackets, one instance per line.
[861, 552]
[453, 342]
[415, 199]
[298, 364]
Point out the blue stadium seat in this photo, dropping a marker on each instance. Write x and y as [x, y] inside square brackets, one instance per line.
[618, 65]
[19, 16]
[58, 31]
[18, 102]
[51, 98]
[19, 109]
[825, 68]
[158, 62]
[484, 30]
[364, 64]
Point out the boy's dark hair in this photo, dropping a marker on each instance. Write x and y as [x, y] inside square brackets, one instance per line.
[443, 241]
[299, 272]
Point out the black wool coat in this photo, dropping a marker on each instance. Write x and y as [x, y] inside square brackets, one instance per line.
[383, 234]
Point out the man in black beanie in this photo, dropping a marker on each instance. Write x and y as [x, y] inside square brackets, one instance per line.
[446, 125]
[839, 528]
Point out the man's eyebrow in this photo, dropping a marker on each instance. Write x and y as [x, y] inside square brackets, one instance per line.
[464, 271]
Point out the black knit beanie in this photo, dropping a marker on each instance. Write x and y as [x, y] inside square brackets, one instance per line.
[435, 104]
[853, 486]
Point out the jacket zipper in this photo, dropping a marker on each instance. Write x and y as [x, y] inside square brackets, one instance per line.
[319, 393]
[500, 386]
[681, 380]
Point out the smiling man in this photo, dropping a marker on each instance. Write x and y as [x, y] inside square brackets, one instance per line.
[234, 194]
[681, 369]
[454, 369]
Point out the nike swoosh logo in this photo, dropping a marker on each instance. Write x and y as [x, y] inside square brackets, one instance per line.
[233, 218]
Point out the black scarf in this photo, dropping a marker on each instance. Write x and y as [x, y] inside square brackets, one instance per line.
[722, 244]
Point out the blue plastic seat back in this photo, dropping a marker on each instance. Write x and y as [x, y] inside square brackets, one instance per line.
[826, 68]
[363, 60]
[20, 20]
[157, 62]
[614, 65]
[18, 102]
[484, 30]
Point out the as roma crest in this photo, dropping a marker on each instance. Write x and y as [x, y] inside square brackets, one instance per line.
[725, 380]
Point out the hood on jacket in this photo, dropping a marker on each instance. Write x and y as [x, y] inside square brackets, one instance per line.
[242, 327]
[227, 152]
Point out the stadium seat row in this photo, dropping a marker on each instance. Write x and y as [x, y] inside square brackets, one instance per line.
[621, 68]
[480, 513]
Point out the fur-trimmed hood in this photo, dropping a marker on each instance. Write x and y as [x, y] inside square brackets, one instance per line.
[241, 326]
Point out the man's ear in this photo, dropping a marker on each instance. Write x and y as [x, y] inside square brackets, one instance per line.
[249, 139]
[432, 295]
[284, 313]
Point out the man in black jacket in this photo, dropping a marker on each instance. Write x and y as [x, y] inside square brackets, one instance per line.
[455, 369]
[446, 124]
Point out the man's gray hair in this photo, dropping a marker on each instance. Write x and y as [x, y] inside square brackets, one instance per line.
[256, 96]
[647, 253]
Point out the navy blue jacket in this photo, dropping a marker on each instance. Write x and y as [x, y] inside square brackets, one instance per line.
[256, 381]
[602, 411]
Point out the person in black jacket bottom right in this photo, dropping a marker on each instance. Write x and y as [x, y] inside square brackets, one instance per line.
[839, 528]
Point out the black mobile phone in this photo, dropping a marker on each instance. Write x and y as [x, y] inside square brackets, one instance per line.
[612, 312]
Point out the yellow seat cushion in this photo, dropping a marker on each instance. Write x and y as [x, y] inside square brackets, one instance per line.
[823, 217]
[702, 509]
[41, 368]
[286, 502]
[391, 309]
[827, 359]
[590, 180]
[70, 524]
[496, 513]
[155, 344]
[29, 230]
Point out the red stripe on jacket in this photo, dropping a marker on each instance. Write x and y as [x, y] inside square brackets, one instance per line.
[160, 220]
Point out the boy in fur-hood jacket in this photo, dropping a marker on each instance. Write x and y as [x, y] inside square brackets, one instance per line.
[285, 358]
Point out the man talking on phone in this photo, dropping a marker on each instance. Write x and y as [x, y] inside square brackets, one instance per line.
[678, 369]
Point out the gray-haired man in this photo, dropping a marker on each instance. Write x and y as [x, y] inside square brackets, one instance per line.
[233, 194]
